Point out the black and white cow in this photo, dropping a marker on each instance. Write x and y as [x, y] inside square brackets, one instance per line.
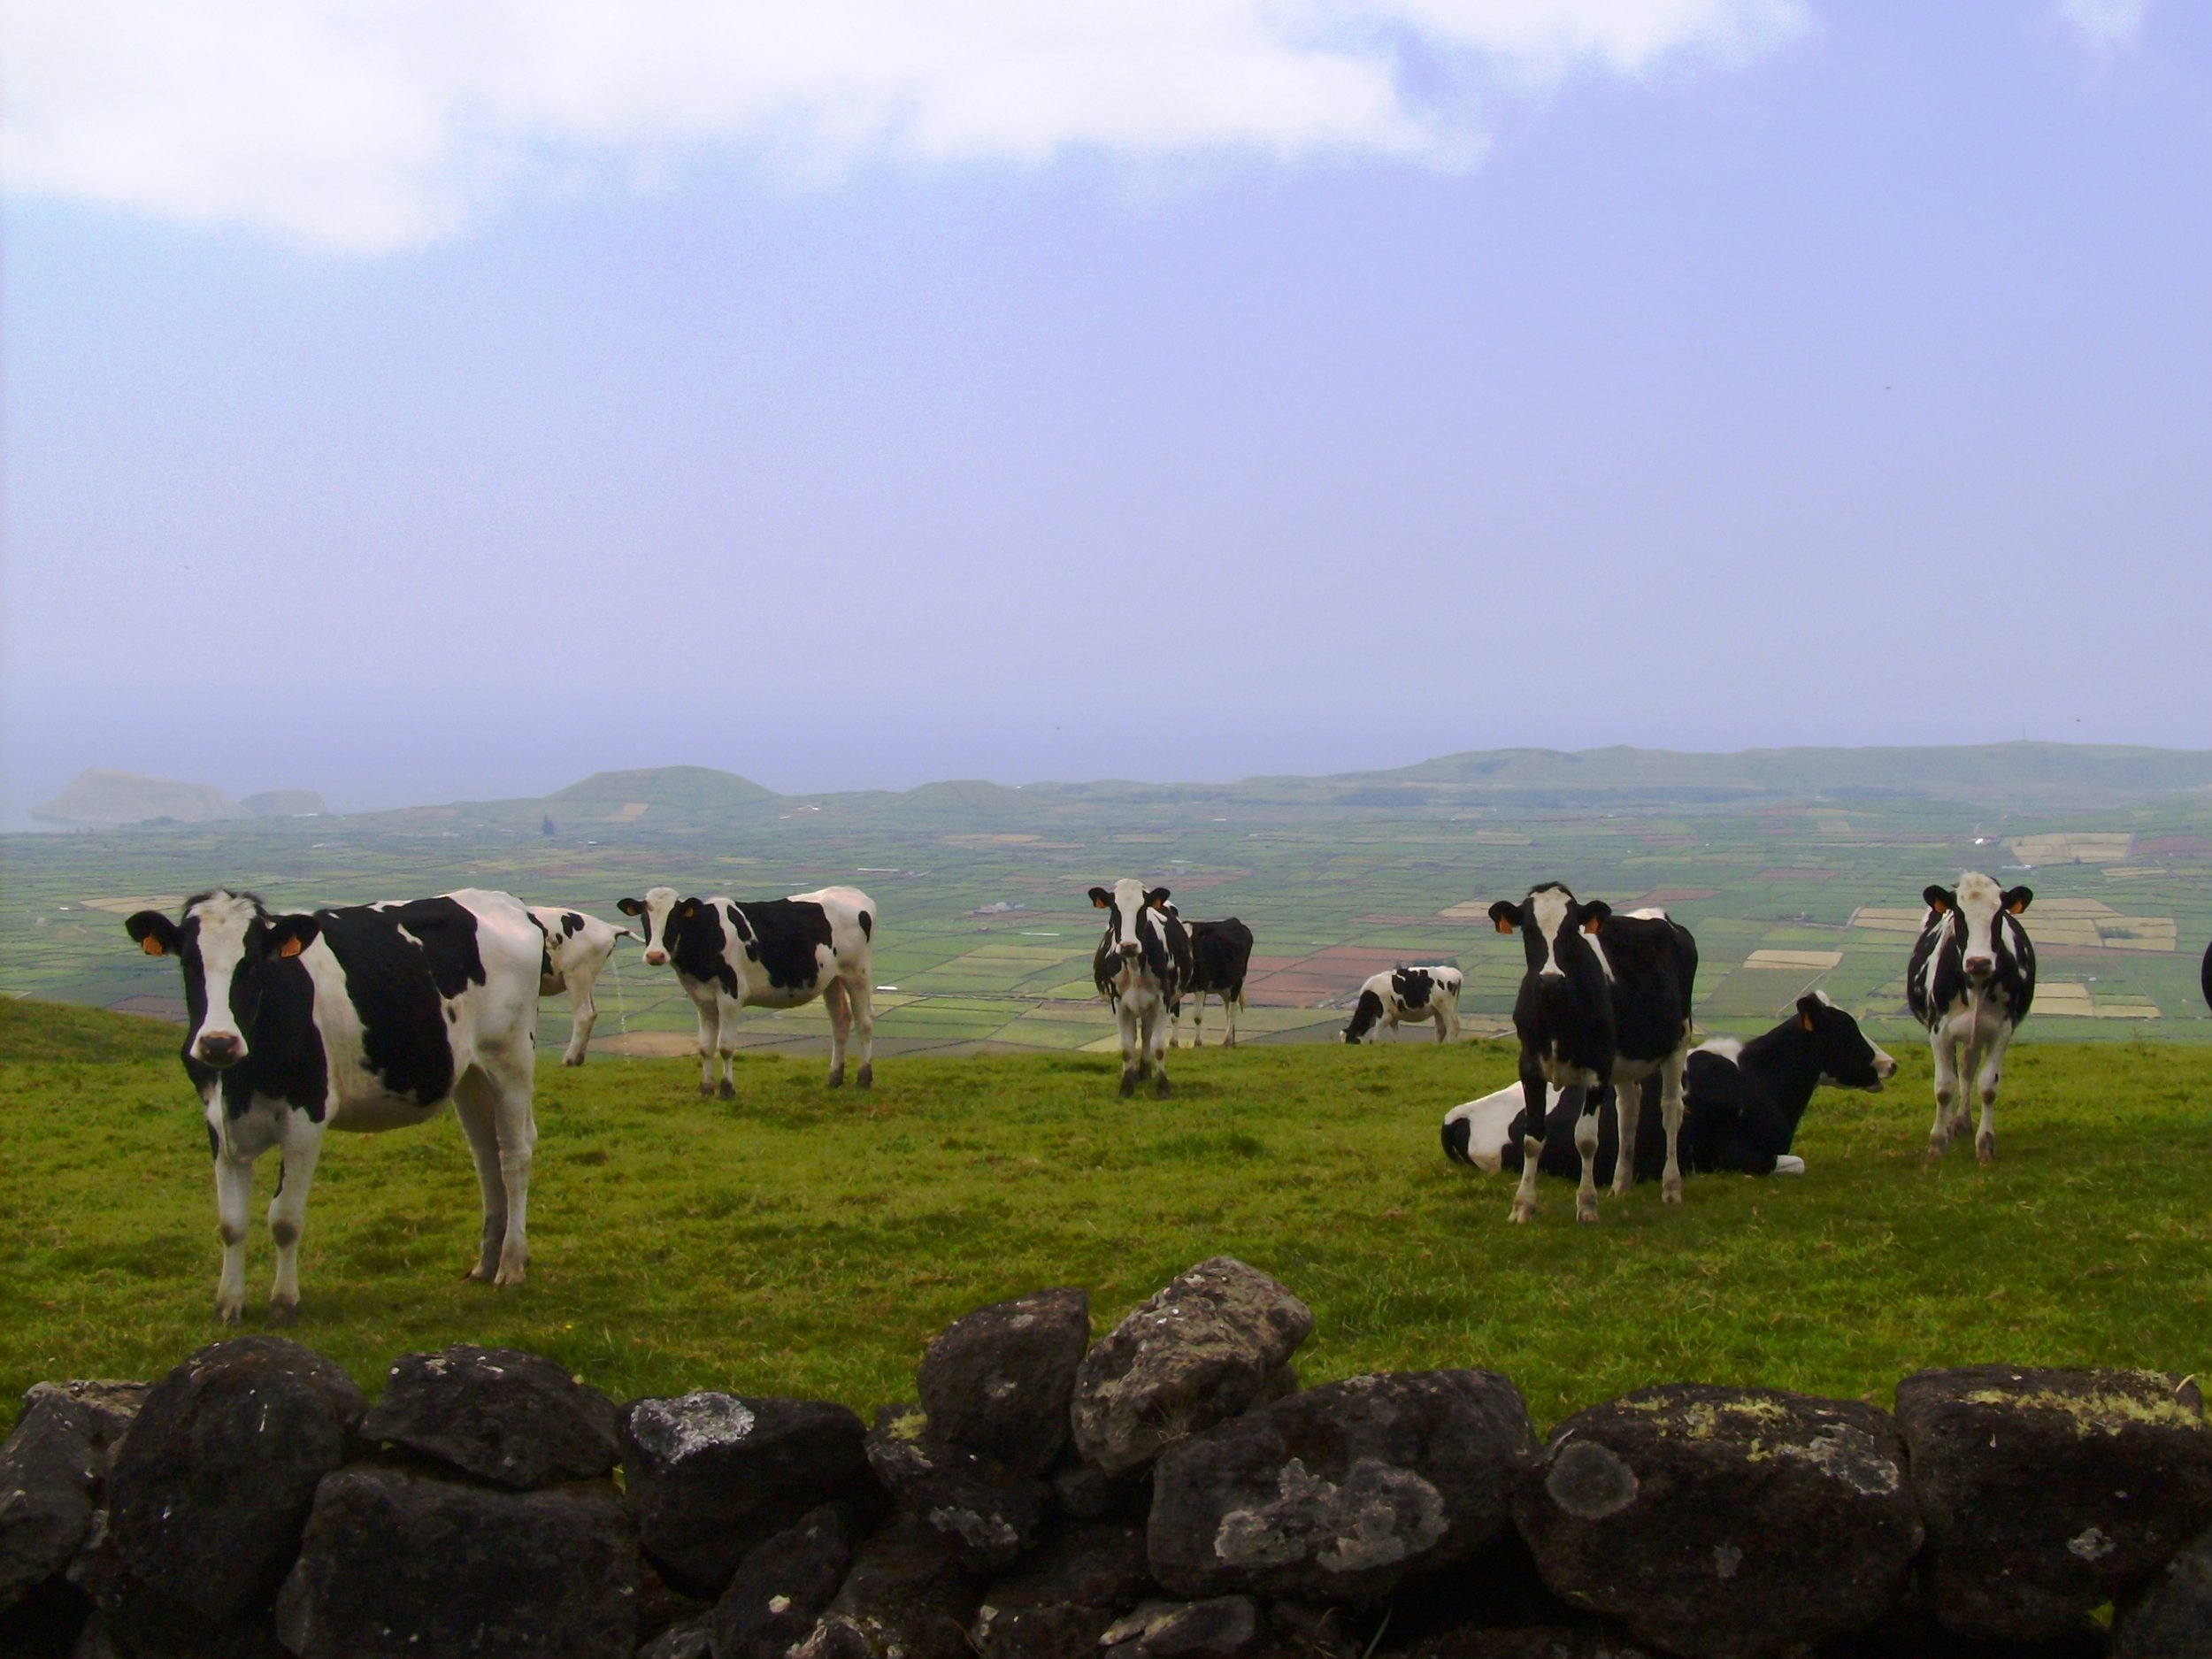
[578, 948]
[2204, 976]
[1741, 1104]
[1971, 982]
[1219, 954]
[369, 1017]
[1605, 1000]
[767, 953]
[1403, 995]
[1140, 966]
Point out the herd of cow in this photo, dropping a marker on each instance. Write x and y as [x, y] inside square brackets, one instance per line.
[375, 1017]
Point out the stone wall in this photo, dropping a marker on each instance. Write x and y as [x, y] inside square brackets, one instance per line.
[1168, 1491]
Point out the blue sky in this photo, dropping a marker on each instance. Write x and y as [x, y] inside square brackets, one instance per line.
[864, 394]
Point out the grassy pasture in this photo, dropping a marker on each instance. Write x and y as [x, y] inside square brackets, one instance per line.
[800, 1241]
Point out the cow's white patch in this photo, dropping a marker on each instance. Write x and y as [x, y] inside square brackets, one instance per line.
[1547, 906]
[223, 919]
[1980, 902]
[1728, 1049]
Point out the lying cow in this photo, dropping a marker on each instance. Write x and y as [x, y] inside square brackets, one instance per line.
[1140, 967]
[1219, 954]
[1741, 1104]
[1405, 996]
[369, 1017]
[1970, 981]
[767, 953]
[1605, 1000]
[578, 948]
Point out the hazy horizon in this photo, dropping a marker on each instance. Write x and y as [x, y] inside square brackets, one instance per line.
[410, 413]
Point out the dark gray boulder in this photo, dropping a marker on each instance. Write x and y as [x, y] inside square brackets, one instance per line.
[1081, 1493]
[396, 1565]
[1540, 1641]
[51, 1469]
[2173, 1618]
[710, 1476]
[1724, 1523]
[782, 1586]
[1052, 1629]
[907, 1597]
[1059, 1601]
[208, 1493]
[2049, 1492]
[991, 1514]
[1001, 1378]
[516, 1419]
[687, 1639]
[1339, 1494]
[1218, 1627]
[1204, 1348]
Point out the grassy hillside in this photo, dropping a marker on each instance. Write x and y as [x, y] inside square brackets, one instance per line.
[803, 1241]
[40, 1034]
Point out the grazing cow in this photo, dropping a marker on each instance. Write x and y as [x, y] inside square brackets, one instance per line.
[1390, 1000]
[1970, 981]
[578, 948]
[1741, 1103]
[2204, 976]
[769, 953]
[1605, 1000]
[1140, 966]
[1219, 953]
[369, 1017]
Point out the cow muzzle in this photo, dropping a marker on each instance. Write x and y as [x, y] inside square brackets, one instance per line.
[1885, 1067]
[656, 958]
[1980, 968]
[219, 1050]
[1129, 950]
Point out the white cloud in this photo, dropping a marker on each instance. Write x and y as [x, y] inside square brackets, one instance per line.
[375, 125]
[2106, 23]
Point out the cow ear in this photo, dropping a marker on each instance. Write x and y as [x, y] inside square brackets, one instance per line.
[1940, 900]
[687, 909]
[1594, 915]
[1505, 915]
[629, 907]
[156, 933]
[1100, 898]
[288, 935]
[2019, 899]
[1156, 897]
[1809, 1012]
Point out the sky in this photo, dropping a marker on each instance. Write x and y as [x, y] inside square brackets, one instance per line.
[414, 403]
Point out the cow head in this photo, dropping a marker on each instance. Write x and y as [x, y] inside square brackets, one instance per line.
[1974, 905]
[1847, 1060]
[1556, 928]
[663, 915]
[1128, 900]
[228, 946]
[1365, 1014]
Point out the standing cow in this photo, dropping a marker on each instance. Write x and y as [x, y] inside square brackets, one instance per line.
[767, 953]
[369, 1017]
[1392, 999]
[1140, 967]
[1605, 1000]
[578, 948]
[1971, 982]
[1219, 954]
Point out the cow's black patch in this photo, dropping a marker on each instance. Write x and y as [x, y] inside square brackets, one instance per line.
[214, 1144]
[783, 935]
[1456, 1134]
[1365, 1012]
[1220, 953]
[402, 963]
[572, 924]
[867, 926]
[1411, 986]
[693, 936]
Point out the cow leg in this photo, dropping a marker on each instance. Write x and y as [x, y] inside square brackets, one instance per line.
[1532, 1141]
[1156, 1035]
[1943, 1047]
[288, 1210]
[1197, 1021]
[726, 1045]
[234, 1194]
[1587, 1148]
[861, 995]
[583, 1013]
[1442, 1034]
[1125, 1017]
[1628, 1109]
[1986, 1079]
[710, 1010]
[473, 1106]
[1670, 1114]
[495, 1095]
[841, 1019]
[1230, 1007]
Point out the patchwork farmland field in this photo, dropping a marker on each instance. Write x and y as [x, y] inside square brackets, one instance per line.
[797, 1240]
[985, 934]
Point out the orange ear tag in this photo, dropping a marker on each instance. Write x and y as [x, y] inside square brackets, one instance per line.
[291, 946]
[1504, 926]
[152, 946]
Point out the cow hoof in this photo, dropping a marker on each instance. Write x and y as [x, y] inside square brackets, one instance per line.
[837, 1077]
[865, 1077]
[509, 1277]
[283, 1312]
[230, 1312]
[1160, 1089]
[706, 1091]
[1522, 1212]
[1128, 1084]
[1229, 1043]
[572, 1059]
[1986, 1149]
[1671, 1193]
[1938, 1145]
[1586, 1215]
[725, 1089]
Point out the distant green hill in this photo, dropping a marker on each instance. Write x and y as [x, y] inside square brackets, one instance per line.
[31, 1031]
[663, 792]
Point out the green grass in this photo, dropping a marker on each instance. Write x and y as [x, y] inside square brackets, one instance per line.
[807, 1242]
